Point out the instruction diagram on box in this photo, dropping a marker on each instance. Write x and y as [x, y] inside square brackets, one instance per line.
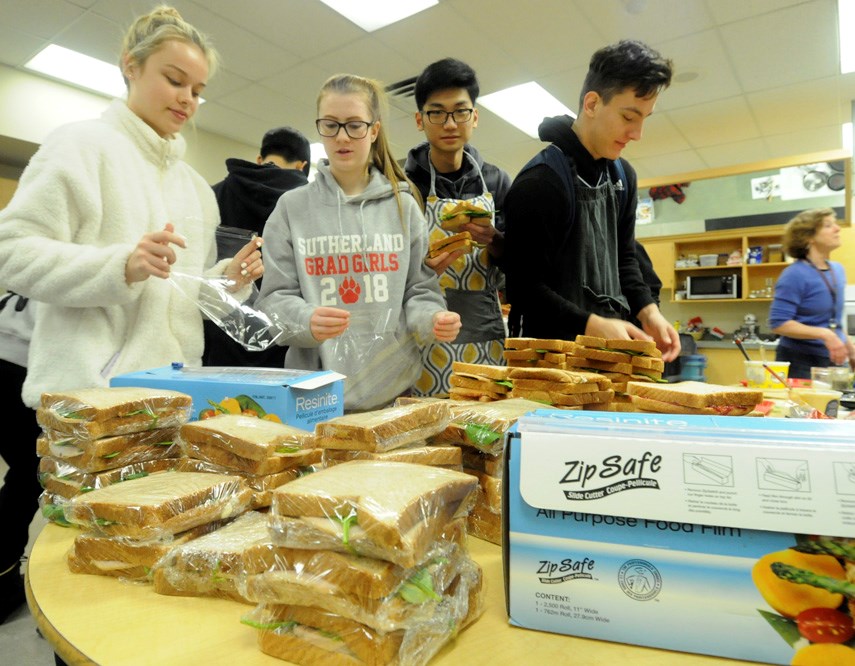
[707, 470]
[783, 474]
[844, 478]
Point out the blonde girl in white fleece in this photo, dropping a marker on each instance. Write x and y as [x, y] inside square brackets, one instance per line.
[106, 210]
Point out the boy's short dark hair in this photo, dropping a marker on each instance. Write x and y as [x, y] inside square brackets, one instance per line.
[442, 75]
[287, 142]
[627, 64]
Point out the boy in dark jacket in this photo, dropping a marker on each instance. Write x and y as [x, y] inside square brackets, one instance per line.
[570, 213]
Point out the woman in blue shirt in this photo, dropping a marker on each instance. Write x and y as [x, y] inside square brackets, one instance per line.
[807, 311]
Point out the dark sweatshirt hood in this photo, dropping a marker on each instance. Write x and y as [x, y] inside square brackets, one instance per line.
[255, 188]
[417, 158]
[553, 128]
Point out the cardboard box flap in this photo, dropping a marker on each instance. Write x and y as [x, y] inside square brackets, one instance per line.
[317, 380]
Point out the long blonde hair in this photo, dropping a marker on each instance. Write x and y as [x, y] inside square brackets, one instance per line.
[381, 156]
[148, 33]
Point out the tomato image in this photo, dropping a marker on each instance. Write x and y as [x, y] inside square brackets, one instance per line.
[207, 413]
[825, 625]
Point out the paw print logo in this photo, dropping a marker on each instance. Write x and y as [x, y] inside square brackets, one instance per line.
[349, 291]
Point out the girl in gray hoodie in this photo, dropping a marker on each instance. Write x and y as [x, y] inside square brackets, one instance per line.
[344, 258]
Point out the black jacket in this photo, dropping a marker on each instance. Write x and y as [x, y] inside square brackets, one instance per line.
[539, 260]
[249, 193]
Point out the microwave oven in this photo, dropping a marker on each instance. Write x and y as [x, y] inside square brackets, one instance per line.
[712, 286]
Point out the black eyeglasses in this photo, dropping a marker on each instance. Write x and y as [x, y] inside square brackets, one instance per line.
[437, 117]
[355, 129]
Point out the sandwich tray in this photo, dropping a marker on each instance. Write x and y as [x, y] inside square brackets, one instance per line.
[626, 526]
[299, 398]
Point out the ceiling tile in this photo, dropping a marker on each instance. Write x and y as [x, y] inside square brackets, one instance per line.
[784, 47]
[720, 121]
[739, 152]
[42, 18]
[657, 20]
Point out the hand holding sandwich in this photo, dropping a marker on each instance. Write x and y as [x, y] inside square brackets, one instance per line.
[446, 326]
[326, 323]
[442, 261]
[667, 339]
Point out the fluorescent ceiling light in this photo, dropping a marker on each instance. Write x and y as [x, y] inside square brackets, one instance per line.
[371, 15]
[847, 136]
[524, 106]
[845, 17]
[81, 70]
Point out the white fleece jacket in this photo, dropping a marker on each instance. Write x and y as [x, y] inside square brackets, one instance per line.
[84, 201]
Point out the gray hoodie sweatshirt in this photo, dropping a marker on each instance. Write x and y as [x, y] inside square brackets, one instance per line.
[323, 248]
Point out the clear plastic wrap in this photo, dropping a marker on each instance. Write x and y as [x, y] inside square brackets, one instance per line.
[261, 485]
[420, 453]
[232, 311]
[213, 564]
[378, 594]
[62, 478]
[108, 453]
[125, 558]
[383, 429]
[159, 505]
[106, 411]
[482, 425]
[247, 444]
[388, 510]
[311, 635]
[52, 508]
[484, 523]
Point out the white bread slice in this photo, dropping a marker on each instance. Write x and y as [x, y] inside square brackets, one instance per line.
[120, 557]
[389, 613]
[488, 386]
[566, 376]
[234, 463]
[247, 436]
[484, 523]
[602, 355]
[648, 363]
[447, 456]
[520, 343]
[98, 455]
[211, 565]
[558, 387]
[521, 355]
[159, 505]
[100, 412]
[490, 490]
[696, 394]
[383, 429]
[66, 480]
[590, 364]
[385, 500]
[451, 243]
[646, 347]
[483, 425]
[497, 372]
[456, 393]
[660, 407]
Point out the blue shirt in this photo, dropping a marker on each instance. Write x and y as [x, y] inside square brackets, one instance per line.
[802, 295]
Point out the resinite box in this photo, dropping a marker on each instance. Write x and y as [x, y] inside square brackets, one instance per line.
[687, 533]
[299, 398]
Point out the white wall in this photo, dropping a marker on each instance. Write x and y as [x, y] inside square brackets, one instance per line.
[33, 106]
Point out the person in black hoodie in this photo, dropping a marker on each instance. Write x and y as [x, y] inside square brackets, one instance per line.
[570, 259]
[447, 170]
[246, 197]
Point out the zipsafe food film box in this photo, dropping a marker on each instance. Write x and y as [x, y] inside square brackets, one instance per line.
[299, 398]
[680, 532]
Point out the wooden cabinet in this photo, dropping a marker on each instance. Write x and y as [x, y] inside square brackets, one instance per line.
[661, 253]
[756, 280]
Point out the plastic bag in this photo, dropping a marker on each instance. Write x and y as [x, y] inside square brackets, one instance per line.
[232, 311]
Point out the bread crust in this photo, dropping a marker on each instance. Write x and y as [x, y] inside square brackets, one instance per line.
[383, 429]
[247, 436]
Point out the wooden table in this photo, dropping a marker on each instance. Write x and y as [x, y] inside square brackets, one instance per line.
[101, 620]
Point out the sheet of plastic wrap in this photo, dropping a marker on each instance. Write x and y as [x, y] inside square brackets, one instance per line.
[60, 477]
[482, 425]
[388, 510]
[108, 453]
[383, 429]
[159, 505]
[104, 411]
[419, 453]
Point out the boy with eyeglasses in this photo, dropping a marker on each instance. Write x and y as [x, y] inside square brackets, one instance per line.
[571, 264]
[448, 171]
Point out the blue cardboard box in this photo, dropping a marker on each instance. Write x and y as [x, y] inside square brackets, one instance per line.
[299, 398]
[665, 530]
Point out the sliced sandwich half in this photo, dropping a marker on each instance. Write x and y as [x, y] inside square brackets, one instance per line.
[693, 398]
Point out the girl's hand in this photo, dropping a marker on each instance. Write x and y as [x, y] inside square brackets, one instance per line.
[441, 262]
[446, 326]
[327, 323]
[246, 266]
[153, 256]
